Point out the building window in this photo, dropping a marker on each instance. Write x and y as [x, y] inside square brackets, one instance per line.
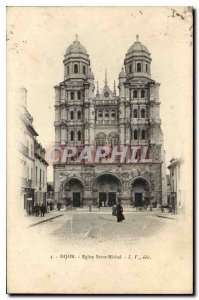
[31, 150]
[138, 67]
[142, 93]
[36, 174]
[113, 115]
[79, 135]
[143, 113]
[135, 135]
[71, 115]
[143, 135]
[130, 69]
[106, 115]
[79, 95]
[79, 115]
[75, 68]
[146, 68]
[27, 147]
[67, 70]
[72, 95]
[100, 115]
[100, 139]
[84, 70]
[135, 113]
[135, 94]
[72, 136]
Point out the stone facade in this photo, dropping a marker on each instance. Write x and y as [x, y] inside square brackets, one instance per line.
[33, 166]
[177, 192]
[131, 118]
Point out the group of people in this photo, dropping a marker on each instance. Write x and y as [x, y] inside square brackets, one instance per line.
[41, 208]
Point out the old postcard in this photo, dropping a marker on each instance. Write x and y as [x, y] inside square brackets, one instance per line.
[99, 150]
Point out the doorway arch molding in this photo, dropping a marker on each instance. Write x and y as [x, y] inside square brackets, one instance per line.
[66, 181]
[132, 180]
[106, 173]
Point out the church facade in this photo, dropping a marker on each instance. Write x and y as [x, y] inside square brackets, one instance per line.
[127, 119]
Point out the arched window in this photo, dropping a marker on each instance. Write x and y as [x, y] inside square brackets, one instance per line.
[135, 113]
[71, 115]
[135, 135]
[72, 135]
[135, 94]
[84, 70]
[143, 135]
[106, 114]
[143, 113]
[142, 93]
[113, 115]
[79, 115]
[79, 95]
[130, 69]
[100, 139]
[79, 135]
[67, 70]
[75, 68]
[146, 68]
[138, 67]
[72, 95]
[100, 115]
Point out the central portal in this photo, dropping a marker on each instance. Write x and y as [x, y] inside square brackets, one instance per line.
[108, 187]
[76, 199]
[111, 198]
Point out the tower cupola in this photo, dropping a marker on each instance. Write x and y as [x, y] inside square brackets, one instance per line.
[76, 61]
[137, 61]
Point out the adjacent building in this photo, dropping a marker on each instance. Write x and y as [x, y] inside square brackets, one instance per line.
[84, 116]
[176, 185]
[32, 160]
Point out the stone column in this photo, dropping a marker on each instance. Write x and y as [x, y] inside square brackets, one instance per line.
[63, 135]
[57, 135]
[122, 134]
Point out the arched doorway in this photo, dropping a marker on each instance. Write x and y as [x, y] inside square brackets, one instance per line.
[140, 191]
[108, 187]
[74, 190]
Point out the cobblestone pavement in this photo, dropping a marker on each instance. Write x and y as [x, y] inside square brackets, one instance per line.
[77, 227]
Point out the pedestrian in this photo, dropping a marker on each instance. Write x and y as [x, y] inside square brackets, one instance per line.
[90, 206]
[48, 207]
[42, 210]
[37, 209]
[51, 206]
[119, 212]
[114, 210]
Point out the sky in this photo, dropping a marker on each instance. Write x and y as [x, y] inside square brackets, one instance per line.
[37, 38]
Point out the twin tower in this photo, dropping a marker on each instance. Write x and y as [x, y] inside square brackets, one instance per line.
[86, 116]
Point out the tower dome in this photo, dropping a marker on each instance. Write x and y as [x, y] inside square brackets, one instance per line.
[137, 47]
[76, 47]
[76, 61]
[137, 61]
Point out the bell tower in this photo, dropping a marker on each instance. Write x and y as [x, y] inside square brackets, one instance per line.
[73, 105]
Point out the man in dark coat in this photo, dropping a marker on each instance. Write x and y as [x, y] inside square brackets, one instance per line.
[42, 210]
[51, 206]
[119, 212]
[37, 209]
